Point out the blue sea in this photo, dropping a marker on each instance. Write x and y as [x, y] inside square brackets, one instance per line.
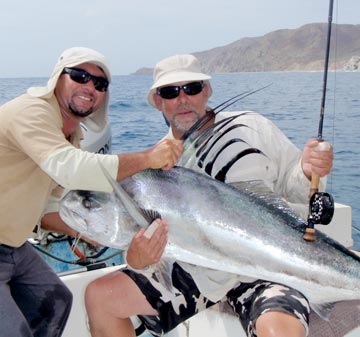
[292, 101]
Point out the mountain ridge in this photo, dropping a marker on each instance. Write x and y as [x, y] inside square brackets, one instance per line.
[299, 49]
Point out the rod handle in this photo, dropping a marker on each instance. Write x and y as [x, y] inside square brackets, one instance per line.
[315, 178]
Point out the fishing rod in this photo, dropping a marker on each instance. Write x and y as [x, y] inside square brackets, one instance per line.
[321, 204]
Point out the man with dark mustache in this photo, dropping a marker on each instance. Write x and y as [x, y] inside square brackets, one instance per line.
[39, 148]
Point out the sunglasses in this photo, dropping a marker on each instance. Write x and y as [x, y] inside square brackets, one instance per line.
[173, 91]
[81, 76]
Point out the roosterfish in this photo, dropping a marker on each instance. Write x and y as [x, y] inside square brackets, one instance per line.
[244, 230]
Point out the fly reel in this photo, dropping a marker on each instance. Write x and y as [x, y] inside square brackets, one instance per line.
[321, 211]
[321, 208]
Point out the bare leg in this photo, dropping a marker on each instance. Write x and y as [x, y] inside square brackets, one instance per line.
[110, 301]
[279, 324]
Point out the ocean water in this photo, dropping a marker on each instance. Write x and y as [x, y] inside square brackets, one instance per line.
[292, 101]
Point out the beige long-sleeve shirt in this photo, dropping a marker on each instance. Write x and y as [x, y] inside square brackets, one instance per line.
[35, 158]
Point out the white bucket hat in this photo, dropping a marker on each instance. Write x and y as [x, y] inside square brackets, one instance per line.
[178, 68]
[70, 58]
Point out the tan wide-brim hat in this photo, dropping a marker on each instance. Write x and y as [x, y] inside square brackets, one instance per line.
[70, 58]
[178, 68]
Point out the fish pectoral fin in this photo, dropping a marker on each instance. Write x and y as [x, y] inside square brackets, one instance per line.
[323, 310]
[150, 214]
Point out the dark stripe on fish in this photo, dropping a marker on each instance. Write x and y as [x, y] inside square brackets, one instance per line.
[210, 164]
[204, 155]
[221, 175]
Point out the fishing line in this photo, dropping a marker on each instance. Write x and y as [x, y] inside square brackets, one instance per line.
[335, 50]
[333, 140]
[334, 90]
[82, 262]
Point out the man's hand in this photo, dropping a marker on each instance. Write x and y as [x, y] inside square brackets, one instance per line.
[165, 154]
[146, 248]
[317, 157]
[162, 155]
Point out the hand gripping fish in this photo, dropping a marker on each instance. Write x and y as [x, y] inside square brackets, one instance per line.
[212, 224]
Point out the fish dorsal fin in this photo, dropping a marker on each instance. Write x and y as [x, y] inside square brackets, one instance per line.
[140, 216]
[216, 137]
[202, 143]
[193, 138]
[238, 97]
[323, 310]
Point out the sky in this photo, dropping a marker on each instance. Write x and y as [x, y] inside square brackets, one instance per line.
[138, 33]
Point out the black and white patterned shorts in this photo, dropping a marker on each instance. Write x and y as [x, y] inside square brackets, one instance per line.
[184, 300]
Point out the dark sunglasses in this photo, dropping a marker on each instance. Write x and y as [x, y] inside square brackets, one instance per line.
[81, 76]
[173, 91]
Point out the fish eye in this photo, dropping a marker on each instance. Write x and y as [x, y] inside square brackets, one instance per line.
[86, 203]
[92, 200]
[90, 203]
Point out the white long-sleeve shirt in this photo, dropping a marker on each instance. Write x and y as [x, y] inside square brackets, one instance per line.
[265, 154]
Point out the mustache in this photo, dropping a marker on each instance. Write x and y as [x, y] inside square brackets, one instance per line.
[78, 111]
[185, 107]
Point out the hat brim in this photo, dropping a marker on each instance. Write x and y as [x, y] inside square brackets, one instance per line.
[47, 92]
[73, 57]
[171, 78]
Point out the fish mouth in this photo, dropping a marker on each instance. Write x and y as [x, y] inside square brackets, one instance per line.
[74, 218]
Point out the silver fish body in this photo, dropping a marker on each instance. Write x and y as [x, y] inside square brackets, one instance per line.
[218, 226]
